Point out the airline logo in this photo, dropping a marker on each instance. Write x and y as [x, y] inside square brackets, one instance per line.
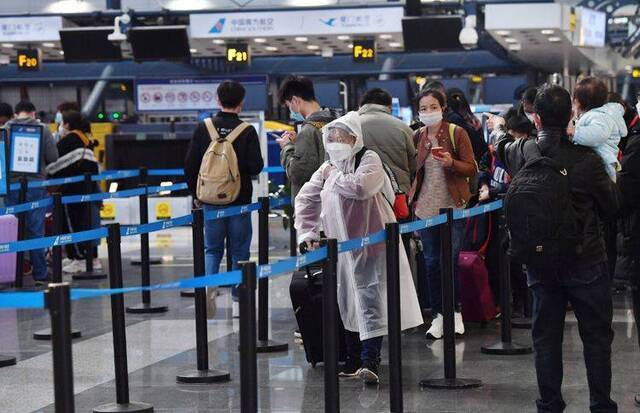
[63, 239]
[329, 22]
[218, 27]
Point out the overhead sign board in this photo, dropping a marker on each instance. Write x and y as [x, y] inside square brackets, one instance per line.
[238, 53]
[364, 50]
[29, 59]
[30, 29]
[190, 95]
[297, 23]
[592, 28]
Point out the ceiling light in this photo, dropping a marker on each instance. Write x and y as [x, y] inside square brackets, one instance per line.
[302, 39]
[503, 32]
[7, 45]
[555, 39]
[271, 48]
[309, 3]
[350, 46]
[69, 6]
[515, 47]
[344, 37]
[510, 40]
[547, 32]
[313, 47]
[386, 36]
[395, 44]
[193, 50]
[61, 52]
[49, 44]
[260, 40]
[218, 41]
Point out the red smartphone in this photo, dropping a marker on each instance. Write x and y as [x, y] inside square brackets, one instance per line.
[437, 151]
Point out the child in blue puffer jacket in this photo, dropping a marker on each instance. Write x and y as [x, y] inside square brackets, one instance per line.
[599, 125]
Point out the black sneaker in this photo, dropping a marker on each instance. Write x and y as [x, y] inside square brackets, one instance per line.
[369, 372]
[350, 368]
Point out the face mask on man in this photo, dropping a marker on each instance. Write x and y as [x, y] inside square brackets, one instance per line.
[338, 151]
[58, 119]
[529, 116]
[431, 118]
[296, 116]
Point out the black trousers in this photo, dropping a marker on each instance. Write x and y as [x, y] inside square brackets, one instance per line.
[588, 291]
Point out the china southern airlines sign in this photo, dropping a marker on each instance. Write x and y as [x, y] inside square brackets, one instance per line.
[297, 23]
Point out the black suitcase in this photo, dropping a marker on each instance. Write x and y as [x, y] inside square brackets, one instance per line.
[306, 296]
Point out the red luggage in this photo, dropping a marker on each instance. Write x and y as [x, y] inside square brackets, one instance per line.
[478, 304]
[8, 233]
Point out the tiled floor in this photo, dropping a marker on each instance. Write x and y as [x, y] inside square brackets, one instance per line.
[161, 346]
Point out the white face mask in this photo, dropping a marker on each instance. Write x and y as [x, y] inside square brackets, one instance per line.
[338, 151]
[529, 116]
[431, 118]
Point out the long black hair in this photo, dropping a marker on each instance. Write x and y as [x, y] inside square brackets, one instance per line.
[458, 103]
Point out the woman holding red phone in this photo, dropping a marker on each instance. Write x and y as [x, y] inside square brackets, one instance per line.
[445, 162]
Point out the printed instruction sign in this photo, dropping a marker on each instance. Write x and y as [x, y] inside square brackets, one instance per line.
[25, 148]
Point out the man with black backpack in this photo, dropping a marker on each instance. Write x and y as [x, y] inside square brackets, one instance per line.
[223, 156]
[555, 206]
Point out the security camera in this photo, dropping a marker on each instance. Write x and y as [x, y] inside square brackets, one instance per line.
[120, 22]
[469, 35]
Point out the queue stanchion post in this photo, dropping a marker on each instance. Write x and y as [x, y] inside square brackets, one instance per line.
[145, 266]
[90, 273]
[394, 319]
[143, 181]
[330, 330]
[58, 301]
[58, 216]
[202, 374]
[293, 237]
[248, 339]
[505, 347]
[447, 265]
[123, 403]
[22, 198]
[264, 344]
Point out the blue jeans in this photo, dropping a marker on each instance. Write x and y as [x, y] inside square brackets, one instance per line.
[431, 251]
[34, 228]
[365, 350]
[588, 291]
[239, 231]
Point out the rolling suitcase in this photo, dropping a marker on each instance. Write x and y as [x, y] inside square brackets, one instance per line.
[306, 297]
[8, 233]
[478, 303]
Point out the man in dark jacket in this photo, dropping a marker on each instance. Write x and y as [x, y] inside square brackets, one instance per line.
[585, 284]
[247, 147]
[302, 153]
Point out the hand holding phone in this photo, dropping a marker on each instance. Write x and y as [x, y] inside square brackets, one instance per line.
[437, 151]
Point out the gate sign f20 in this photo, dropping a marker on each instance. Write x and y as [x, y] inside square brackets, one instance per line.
[28, 59]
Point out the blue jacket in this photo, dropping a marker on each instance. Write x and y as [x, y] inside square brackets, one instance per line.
[601, 129]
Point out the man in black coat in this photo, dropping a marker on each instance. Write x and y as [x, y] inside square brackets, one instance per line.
[585, 284]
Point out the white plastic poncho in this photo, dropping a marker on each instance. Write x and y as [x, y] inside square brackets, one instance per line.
[349, 204]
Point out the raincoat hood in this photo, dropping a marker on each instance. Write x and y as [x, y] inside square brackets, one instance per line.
[349, 123]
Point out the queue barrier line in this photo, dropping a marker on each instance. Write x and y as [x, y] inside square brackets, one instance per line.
[423, 224]
[52, 241]
[214, 214]
[27, 206]
[105, 176]
[180, 172]
[130, 230]
[479, 210]
[357, 243]
[279, 202]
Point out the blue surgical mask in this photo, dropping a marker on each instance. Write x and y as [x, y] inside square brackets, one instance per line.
[58, 119]
[296, 116]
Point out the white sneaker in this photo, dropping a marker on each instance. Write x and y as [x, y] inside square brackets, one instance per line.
[436, 330]
[66, 261]
[76, 266]
[235, 309]
[459, 323]
[97, 264]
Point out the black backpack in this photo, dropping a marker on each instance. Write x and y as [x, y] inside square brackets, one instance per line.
[540, 217]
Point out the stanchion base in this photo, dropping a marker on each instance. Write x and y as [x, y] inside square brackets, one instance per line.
[127, 407]
[6, 361]
[45, 335]
[187, 293]
[144, 308]
[203, 376]
[521, 323]
[152, 261]
[450, 383]
[506, 349]
[93, 275]
[270, 346]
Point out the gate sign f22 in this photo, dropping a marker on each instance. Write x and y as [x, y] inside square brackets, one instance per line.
[296, 23]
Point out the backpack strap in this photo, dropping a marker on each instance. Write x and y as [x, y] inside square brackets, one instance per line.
[359, 157]
[392, 177]
[213, 133]
[452, 136]
[235, 134]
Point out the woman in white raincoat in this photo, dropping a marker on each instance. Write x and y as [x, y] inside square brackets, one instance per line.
[349, 203]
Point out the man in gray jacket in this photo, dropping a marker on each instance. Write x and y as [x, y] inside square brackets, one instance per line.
[387, 136]
[302, 153]
[34, 225]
